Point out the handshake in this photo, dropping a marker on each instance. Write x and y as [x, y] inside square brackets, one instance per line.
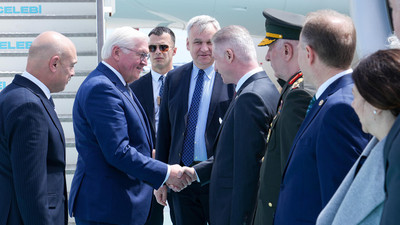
[179, 178]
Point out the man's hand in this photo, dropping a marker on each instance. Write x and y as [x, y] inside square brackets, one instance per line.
[189, 176]
[161, 195]
[191, 173]
[178, 179]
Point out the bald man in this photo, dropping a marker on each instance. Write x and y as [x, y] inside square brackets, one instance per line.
[32, 143]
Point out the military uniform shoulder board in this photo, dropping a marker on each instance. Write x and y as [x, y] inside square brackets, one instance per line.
[297, 83]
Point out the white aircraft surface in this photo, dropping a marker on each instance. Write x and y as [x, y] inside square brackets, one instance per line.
[371, 17]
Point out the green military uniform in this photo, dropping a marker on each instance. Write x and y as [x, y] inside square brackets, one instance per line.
[291, 111]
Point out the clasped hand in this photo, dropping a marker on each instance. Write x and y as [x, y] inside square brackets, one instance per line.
[179, 178]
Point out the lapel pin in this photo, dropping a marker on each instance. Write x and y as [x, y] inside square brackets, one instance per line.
[321, 102]
[220, 120]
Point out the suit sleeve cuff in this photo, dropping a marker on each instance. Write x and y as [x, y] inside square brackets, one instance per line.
[198, 178]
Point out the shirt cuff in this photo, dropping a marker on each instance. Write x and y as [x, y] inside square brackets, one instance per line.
[167, 176]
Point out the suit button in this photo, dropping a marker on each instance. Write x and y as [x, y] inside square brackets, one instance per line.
[270, 204]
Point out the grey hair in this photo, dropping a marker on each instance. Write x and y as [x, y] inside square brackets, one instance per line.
[236, 38]
[202, 22]
[122, 37]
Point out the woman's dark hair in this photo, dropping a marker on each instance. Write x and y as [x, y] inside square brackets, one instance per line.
[377, 79]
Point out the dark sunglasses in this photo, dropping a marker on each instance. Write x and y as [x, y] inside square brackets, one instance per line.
[163, 48]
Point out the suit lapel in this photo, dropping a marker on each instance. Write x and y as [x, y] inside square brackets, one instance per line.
[318, 105]
[215, 97]
[22, 81]
[53, 116]
[184, 92]
[134, 102]
[227, 114]
[148, 97]
[232, 105]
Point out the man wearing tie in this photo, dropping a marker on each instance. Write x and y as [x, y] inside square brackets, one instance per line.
[233, 171]
[32, 143]
[194, 101]
[149, 88]
[330, 138]
[115, 174]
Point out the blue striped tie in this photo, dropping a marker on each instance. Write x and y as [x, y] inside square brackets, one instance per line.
[188, 142]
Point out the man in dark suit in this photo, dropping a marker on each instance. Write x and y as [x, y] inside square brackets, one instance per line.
[194, 101]
[283, 30]
[241, 142]
[391, 208]
[32, 143]
[148, 89]
[115, 173]
[330, 138]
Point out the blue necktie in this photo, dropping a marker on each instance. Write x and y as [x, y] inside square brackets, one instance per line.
[188, 142]
[162, 86]
[311, 104]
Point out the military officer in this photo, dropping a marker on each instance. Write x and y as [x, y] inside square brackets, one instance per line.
[283, 30]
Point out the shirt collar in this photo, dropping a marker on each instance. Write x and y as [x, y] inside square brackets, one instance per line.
[326, 84]
[116, 72]
[36, 81]
[247, 76]
[156, 76]
[208, 71]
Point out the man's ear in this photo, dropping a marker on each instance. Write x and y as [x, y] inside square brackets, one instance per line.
[116, 53]
[53, 63]
[310, 54]
[288, 48]
[229, 55]
[174, 51]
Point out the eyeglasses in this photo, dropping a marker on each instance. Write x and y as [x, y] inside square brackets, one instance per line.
[163, 48]
[142, 55]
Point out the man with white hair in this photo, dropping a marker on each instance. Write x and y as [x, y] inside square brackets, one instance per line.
[115, 173]
[233, 171]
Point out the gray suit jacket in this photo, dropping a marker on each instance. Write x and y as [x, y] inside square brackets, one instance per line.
[359, 200]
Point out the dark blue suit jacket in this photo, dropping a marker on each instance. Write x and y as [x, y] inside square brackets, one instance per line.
[174, 109]
[115, 174]
[327, 144]
[240, 145]
[143, 89]
[32, 157]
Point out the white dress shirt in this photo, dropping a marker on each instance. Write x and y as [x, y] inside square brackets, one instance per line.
[200, 150]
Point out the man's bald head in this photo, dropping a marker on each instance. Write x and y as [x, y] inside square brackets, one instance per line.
[48, 44]
[51, 59]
